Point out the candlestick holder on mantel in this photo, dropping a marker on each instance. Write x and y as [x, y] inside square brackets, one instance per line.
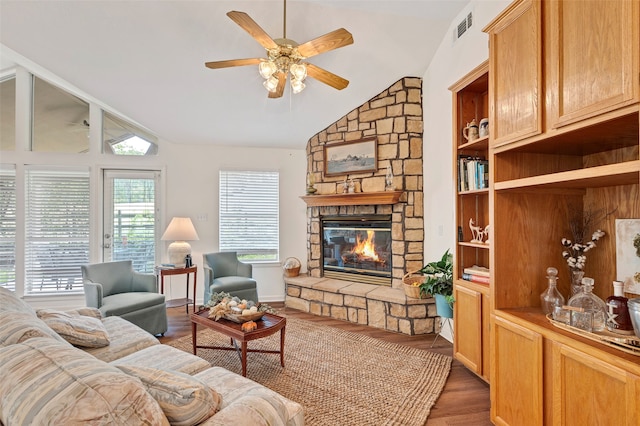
[353, 199]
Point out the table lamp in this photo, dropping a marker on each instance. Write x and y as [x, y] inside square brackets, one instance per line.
[180, 230]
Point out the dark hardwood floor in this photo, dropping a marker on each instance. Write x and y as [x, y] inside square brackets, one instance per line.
[464, 401]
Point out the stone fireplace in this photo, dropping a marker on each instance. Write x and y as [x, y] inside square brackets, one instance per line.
[355, 287]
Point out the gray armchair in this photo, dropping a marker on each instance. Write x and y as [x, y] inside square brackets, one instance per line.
[116, 289]
[224, 272]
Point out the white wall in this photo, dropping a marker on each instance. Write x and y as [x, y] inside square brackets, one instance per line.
[451, 62]
[192, 177]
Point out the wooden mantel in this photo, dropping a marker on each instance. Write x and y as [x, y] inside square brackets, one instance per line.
[356, 199]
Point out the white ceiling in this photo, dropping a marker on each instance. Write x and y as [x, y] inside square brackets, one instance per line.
[145, 59]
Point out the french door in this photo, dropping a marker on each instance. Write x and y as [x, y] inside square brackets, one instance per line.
[131, 217]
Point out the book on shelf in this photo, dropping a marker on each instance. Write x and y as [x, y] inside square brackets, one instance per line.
[476, 278]
[477, 270]
[473, 173]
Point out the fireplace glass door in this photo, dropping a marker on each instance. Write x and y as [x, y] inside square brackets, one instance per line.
[357, 248]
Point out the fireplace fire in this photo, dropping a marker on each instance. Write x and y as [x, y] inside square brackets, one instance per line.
[357, 248]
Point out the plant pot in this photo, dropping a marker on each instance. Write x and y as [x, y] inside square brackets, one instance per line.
[443, 308]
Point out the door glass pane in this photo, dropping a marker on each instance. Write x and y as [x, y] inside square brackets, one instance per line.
[60, 120]
[8, 114]
[131, 219]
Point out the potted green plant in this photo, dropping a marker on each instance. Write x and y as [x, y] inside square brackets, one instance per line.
[439, 283]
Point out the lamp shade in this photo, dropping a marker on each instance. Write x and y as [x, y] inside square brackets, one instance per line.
[180, 230]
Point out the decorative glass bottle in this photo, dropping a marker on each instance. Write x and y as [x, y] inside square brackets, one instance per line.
[551, 296]
[618, 319]
[590, 311]
[576, 281]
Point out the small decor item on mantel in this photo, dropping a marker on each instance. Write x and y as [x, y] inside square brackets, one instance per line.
[311, 181]
[388, 179]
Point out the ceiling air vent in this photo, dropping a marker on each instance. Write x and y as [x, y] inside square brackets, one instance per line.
[463, 26]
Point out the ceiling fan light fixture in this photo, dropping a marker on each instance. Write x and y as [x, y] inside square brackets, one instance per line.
[271, 84]
[297, 86]
[298, 71]
[266, 69]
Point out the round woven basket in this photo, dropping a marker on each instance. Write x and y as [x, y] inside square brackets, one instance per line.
[411, 290]
[291, 267]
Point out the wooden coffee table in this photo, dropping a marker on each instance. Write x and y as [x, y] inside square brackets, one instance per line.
[267, 326]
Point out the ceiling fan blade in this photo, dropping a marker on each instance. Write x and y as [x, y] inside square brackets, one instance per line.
[330, 41]
[326, 77]
[282, 79]
[232, 63]
[254, 30]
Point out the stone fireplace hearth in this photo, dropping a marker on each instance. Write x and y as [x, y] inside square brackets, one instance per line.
[394, 118]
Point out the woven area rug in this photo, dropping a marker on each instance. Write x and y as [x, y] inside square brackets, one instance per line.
[339, 377]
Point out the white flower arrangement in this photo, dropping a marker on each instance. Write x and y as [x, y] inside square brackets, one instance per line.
[575, 255]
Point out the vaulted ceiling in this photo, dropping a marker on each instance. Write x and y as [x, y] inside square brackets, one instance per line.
[145, 59]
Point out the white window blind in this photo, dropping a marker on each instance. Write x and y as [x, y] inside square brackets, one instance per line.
[249, 222]
[8, 227]
[57, 230]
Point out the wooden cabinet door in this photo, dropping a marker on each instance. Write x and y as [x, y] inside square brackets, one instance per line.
[587, 390]
[467, 323]
[592, 58]
[516, 375]
[515, 73]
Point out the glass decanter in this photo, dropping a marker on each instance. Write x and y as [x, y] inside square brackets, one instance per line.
[551, 296]
[590, 311]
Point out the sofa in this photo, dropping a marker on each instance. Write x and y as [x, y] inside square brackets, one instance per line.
[77, 367]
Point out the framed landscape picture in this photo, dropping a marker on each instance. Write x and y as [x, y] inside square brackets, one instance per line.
[342, 158]
[628, 253]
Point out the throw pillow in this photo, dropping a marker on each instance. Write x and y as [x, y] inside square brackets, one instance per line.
[49, 382]
[184, 399]
[79, 330]
[87, 312]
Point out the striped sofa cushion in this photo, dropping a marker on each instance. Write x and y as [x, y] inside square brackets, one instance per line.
[184, 399]
[245, 399]
[17, 327]
[47, 382]
[125, 338]
[165, 357]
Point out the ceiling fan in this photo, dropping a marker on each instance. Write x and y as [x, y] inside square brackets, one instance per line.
[286, 57]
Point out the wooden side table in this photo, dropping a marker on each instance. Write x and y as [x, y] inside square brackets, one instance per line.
[174, 303]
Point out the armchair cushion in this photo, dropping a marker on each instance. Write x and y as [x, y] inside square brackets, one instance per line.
[123, 303]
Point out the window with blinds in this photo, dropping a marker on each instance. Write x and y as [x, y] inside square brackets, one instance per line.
[57, 229]
[249, 214]
[8, 227]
